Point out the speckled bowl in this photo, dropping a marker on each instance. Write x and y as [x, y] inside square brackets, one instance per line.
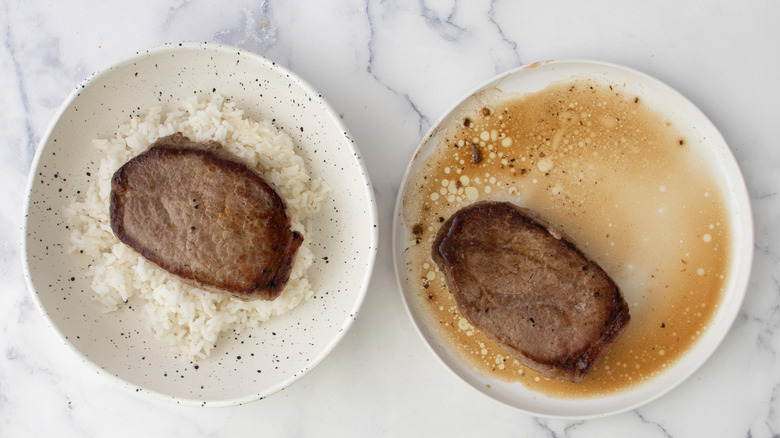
[255, 363]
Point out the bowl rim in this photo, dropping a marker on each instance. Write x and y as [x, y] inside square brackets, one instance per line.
[367, 188]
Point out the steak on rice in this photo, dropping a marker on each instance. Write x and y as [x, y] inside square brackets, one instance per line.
[186, 316]
[199, 213]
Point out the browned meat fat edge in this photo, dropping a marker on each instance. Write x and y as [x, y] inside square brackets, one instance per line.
[577, 365]
[284, 264]
[270, 282]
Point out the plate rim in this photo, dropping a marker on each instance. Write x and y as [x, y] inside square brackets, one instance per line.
[742, 262]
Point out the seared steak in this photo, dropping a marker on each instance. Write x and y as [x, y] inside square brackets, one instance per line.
[532, 292]
[202, 215]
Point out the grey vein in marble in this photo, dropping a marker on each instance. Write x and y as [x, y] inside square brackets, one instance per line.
[257, 34]
[442, 25]
[26, 144]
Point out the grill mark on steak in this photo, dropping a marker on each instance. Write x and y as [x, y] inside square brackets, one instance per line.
[529, 289]
[197, 212]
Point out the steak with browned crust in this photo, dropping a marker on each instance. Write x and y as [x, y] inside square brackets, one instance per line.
[532, 292]
[199, 213]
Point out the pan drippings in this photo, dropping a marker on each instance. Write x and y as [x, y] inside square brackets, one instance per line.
[617, 178]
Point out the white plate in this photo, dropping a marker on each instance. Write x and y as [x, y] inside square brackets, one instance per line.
[671, 104]
[283, 349]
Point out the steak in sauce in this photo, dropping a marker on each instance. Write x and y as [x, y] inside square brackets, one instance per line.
[529, 289]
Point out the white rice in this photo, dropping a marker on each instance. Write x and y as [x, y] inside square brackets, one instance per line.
[186, 318]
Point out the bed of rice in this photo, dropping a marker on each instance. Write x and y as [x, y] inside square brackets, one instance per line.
[189, 319]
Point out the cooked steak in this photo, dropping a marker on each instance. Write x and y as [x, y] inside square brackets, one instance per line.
[529, 290]
[199, 213]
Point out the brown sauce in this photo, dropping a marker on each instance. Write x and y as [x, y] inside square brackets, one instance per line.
[615, 176]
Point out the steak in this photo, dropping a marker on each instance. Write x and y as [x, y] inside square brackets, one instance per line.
[529, 290]
[199, 213]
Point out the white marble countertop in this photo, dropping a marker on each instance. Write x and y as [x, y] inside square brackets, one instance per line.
[392, 68]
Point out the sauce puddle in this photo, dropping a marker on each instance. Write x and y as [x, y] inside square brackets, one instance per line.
[615, 176]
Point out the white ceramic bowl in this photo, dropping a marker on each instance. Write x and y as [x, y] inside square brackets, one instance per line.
[684, 113]
[117, 344]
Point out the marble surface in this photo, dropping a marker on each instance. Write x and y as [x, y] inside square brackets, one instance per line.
[391, 68]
